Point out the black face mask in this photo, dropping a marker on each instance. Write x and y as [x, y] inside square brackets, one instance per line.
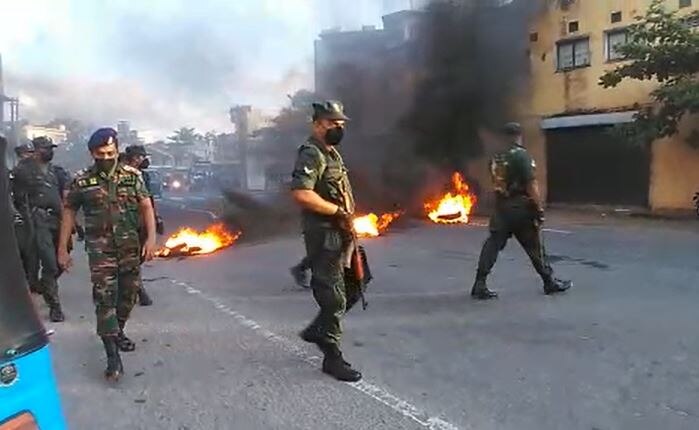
[105, 165]
[46, 155]
[144, 164]
[334, 136]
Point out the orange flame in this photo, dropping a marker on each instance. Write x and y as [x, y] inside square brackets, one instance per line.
[373, 225]
[188, 241]
[455, 207]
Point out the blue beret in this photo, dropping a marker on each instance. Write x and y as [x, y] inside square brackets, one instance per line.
[102, 137]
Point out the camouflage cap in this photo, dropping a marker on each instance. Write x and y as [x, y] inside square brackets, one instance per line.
[512, 129]
[43, 142]
[329, 109]
[134, 150]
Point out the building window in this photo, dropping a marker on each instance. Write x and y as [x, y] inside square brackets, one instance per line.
[573, 54]
[685, 3]
[573, 26]
[616, 17]
[613, 40]
[533, 37]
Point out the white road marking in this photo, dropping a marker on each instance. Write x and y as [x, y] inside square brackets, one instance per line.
[548, 230]
[377, 393]
[551, 230]
[212, 215]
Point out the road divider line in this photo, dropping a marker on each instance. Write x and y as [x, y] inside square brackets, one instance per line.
[403, 407]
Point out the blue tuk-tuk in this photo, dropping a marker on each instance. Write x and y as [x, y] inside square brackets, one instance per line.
[28, 392]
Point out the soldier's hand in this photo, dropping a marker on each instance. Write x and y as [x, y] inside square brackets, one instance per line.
[344, 219]
[64, 259]
[148, 252]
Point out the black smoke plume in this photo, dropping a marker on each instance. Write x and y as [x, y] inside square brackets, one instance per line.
[458, 76]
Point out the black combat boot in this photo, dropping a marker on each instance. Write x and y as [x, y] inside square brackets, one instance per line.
[124, 343]
[114, 366]
[143, 298]
[554, 286]
[300, 276]
[335, 366]
[56, 313]
[480, 290]
[311, 336]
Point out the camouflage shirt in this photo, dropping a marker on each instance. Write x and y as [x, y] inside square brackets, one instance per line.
[110, 206]
[511, 171]
[323, 171]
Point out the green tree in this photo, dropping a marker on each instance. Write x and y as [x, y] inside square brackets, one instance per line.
[181, 143]
[290, 127]
[662, 46]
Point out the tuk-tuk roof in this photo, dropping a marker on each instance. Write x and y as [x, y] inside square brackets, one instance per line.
[21, 330]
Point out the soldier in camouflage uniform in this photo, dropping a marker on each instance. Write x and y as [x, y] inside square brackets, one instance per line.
[320, 185]
[24, 226]
[518, 212]
[39, 184]
[136, 156]
[113, 198]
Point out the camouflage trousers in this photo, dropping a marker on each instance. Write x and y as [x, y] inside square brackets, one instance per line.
[116, 279]
[326, 253]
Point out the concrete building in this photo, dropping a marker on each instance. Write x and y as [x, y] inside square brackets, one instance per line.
[58, 134]
[127, 135]
[568, 114]
[372, 68]
[245, 148]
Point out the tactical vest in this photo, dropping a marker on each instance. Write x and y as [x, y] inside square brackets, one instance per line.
[43, 189]
[507, 174]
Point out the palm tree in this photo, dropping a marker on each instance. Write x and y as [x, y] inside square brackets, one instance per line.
[181, 142]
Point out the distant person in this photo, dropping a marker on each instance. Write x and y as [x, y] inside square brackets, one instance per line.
[113, 198]
[40, 184]
[136, 156]
[24, 226]
[519, 212]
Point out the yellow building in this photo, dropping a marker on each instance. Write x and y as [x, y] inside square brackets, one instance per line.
[567, 113]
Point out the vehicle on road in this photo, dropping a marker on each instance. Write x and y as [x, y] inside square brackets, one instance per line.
[28, 393]
[156, 183]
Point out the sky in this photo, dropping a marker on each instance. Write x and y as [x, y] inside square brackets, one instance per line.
[163, 64]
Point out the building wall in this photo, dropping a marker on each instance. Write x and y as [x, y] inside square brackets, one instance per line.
[674, 172]
[674, 165]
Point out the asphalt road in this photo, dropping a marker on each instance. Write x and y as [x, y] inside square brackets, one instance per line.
[219, 350]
